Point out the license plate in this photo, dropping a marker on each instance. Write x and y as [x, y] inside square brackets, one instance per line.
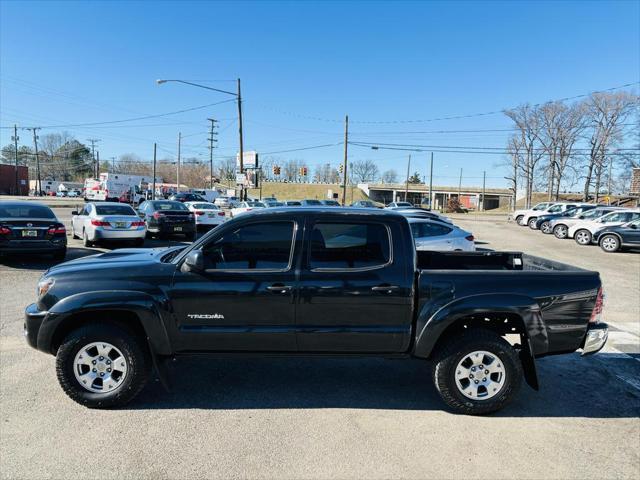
[211, 215]
[29, 233]
[177, 229]
[121, 225]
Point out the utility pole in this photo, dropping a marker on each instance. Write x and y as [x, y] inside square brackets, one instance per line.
[346, 152]
[460, 185]
[178, 172]
[484, 182]
[211, 142]
[153, 191]
[98, 164]
[113, 164]
[406, 186]
[239, 96]
[431, 184]
[35, 145]
[15, 138]
[93, 142]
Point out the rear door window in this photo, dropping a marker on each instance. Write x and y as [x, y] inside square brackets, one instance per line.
[349, 246]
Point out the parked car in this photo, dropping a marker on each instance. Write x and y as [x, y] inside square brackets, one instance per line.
[400, 205]
[226, 202]
[330, 203]
[107, 221]
[292, 203]
[560, 226]
[166, 217]
[207, 215]
[363, 204]
[310, 202]
[416, 212]
[352, 285]
[187, 197]
[543, 223]
[583, 232]
[558, 208]
[208, 194]
[244, 207]
[273, 203]
[613, 239]
[539, 208]
[433, 235]
[73, 194]
[30, 227]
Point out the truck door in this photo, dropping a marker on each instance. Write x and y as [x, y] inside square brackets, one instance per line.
[244, 298]
[356, 294]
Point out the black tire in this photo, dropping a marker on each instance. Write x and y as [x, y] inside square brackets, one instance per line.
[545, 228]
[560, 231]
[73, 235]
[609, 243]
[583, 237]
[454, 351]
[136, 354]
[532, 223]
[85, 239]
[519, 218]
[60, 255]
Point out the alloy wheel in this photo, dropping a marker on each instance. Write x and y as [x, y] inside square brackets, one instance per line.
[480, 375]
[100, 367]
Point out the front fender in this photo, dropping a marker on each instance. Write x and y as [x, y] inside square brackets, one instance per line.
[433, 321]
[143, 305]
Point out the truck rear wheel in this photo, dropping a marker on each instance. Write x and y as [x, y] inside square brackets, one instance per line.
[102, 366]
[477, 373]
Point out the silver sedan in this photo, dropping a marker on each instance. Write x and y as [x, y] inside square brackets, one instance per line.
[107, 221]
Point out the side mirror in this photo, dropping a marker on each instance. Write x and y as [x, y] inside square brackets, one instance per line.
[634, 226]
[581, 217]
[74, 212]
[194, 262]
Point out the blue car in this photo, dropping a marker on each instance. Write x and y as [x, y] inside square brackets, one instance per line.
[613, 239]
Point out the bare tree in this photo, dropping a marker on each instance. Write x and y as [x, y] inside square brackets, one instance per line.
[364, 171]
[132, 164]
[606, 113]
[528, 124]
[516, 164]
[390, 176]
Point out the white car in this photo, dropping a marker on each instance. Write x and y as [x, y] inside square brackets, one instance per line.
[583, 231]
[539, 209]
[207, 215]
[400, 205]
[107, 221]
[244, 207]
[557, 208]
[225, 202]
[416, 212]
[434, 235]
[560, 226]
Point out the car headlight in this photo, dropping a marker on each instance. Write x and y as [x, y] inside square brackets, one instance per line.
[44, 286]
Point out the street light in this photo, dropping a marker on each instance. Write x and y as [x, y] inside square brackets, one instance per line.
[238, 96]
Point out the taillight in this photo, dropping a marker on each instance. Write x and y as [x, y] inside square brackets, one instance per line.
[99, 223]
[137, 224]
[470, 238]
[596, 313]
[199, 213]
[5, 231]
[158, 215]
[59, 230]
[221, 214]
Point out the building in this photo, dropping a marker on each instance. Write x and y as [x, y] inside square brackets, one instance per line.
[8, 180]
[471, 198]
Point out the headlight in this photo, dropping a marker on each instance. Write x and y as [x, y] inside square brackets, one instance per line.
[44, 286]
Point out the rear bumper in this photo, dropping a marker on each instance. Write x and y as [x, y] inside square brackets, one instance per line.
[170, 228]
[595, 339]
[33, 246]
[100, 234]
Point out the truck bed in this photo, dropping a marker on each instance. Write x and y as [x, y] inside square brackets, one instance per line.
[428, 260]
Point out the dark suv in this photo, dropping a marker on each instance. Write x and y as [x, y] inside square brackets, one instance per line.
[166, 217]
[187, 197]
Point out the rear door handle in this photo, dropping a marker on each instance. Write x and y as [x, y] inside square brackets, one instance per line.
[385, 288]
[279, 288]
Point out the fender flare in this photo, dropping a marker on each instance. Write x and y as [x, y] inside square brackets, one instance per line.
[146, 307]
[432, 323]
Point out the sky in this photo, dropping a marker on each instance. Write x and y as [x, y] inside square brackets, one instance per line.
[396, 68]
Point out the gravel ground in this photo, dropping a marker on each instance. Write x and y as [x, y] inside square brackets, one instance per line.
[313, 418]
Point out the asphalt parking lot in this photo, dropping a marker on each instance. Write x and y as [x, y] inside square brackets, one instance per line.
[314, 418]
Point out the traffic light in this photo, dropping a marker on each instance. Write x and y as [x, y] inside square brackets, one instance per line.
[276, 170]
[303, 171]
[341, 168]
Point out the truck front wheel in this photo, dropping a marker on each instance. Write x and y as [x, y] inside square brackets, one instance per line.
[102, 366]
[477, 372]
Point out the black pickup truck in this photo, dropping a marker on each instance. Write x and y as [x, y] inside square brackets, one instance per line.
[313, 281]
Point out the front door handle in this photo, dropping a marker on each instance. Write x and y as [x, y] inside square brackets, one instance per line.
[279, 288]
[385, 288]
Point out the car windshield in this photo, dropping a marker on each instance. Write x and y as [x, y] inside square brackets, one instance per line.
[293, 204]
[26, 211]
[204, 206]
[169, 206]
[255, 204]
[114, 210]
[313, 202]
